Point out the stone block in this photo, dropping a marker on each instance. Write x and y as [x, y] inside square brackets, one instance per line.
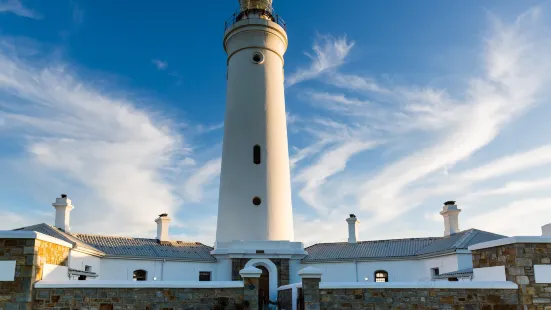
[541, 301]
[523, 262]
[522, 280]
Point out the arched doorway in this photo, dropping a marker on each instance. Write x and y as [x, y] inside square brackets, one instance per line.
[267, 265]
[263, 288]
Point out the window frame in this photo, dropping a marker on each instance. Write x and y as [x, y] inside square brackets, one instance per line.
[135, 275]
[204, 273]
[376, 277]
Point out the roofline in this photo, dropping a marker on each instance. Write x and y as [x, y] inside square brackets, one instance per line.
[396, 258]
[124, 237]
[29, 234]
[96, 253]
[157, 258]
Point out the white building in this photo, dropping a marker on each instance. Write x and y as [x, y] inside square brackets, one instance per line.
[255, 222]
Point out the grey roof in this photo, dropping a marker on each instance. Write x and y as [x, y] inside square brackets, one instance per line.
[129, 247]
[59, 234]
[148, 248]
[398, 248]
[456, 274]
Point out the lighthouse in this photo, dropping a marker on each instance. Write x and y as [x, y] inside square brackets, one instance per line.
[255, 190]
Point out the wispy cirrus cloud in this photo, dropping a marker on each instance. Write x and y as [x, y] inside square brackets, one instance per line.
[16, 7]
[111, 153]
[328, 54]
[159, 64]
[430, 131]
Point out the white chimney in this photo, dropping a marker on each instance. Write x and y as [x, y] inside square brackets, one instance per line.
[546, 230]
[352, 228]
[162, 227]
[450, 212]
[63, 209]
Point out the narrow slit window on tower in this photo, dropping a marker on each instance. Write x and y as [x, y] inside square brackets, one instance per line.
[257, 155]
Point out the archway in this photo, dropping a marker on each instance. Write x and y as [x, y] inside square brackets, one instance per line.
[271, 268]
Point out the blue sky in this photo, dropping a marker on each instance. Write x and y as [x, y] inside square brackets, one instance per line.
[393, 108]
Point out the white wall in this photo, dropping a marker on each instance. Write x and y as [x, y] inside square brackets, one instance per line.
[123, 269]
[55, 273]
[79, 260]
[398, 271]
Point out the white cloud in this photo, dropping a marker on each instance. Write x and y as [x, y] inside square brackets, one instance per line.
[329, 164]
[17, 8]
[109, 154]
[161, 65]
[429, 131]
[509, 164]
[329, 53]
[195, 185]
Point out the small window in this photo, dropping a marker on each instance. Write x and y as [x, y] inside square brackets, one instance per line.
[435, 271]
[204, 275]
[258, 58]
[381, 276]
[257, 201]
[82, 278]
[453, 279]
[88, 268]
[140, 275]
[257, 155]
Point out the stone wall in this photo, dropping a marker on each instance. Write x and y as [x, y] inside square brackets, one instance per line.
[140, 298]
[30, 256]
[417, 299]
[519, 260]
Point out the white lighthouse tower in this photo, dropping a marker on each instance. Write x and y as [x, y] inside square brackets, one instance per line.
[255, 190]
[255, 218]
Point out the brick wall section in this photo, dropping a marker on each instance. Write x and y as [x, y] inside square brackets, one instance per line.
[519, 260]
[417, 299]
[281, 264]
[143, 298]
[30, 256]
[285, 299]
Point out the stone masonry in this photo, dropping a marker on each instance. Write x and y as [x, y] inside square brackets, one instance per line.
[417, 299]
[140, 298]
[519, 260]
[30, 256]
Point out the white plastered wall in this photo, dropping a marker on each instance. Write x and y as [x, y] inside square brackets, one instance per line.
[123, 269]
[79, 261]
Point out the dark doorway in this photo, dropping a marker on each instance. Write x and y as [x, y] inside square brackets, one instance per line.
[263, 289]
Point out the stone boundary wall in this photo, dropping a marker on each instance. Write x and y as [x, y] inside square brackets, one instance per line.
[387, 298]
[519, 260]
[30, 256]
[139, 298]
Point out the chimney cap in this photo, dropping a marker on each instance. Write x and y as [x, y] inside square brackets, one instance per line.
[163, 215]
[63, 195]
[352, 215]
[449, 203]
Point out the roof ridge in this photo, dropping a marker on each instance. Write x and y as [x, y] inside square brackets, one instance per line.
[469, 234]
[376, 241]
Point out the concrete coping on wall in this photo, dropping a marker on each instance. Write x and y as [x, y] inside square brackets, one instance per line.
[310, 273]
[422, 285]
[138, 284]
[411, 285]
[290, 286]
[250, 272]
[23, 234]
[510, 240]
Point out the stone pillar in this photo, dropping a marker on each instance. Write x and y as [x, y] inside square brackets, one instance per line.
[311, 278]
[30, 251]
[520, 256]
[251, 276]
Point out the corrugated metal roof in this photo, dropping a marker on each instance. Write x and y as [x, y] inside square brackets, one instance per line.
[398, 248]
[148, 248]
[455, 274]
